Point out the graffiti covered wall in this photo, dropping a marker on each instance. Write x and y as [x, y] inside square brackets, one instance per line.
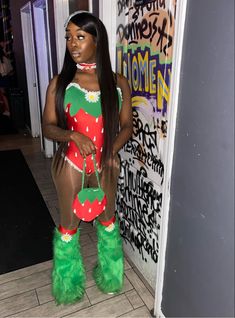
[144, 55]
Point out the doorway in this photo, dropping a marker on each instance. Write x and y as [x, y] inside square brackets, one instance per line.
[44, 64]
[30, 64]
[36, 39]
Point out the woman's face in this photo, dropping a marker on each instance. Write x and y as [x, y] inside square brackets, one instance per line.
[81, 45]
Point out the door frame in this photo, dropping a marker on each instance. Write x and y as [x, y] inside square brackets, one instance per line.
[172, 115]
[30, 64]
[61, 12]
[109, 20]
[42, 48]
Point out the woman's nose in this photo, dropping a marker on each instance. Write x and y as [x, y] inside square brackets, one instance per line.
[74, 41]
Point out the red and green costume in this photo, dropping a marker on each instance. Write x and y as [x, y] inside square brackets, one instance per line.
[84, 114]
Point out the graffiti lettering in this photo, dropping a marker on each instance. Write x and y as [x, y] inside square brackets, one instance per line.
[143, 146]
[147, 137]
[139, 205]
[145, 189]
[142, 9]
[123, 4]
[131, 4]
[135, 31]
[145, 74]
[164, 35]
[156, 26]
[140, 241]
[139, 153]
[144, 55]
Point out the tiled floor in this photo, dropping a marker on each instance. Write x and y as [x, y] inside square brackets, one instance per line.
[26, 292]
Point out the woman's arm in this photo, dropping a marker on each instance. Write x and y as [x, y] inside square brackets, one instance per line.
[49, 118]
[50, 124]
[125, 116]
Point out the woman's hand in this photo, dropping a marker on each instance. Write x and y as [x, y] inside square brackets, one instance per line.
[85, 144]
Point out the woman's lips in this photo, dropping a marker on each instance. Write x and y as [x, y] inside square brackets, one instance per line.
[76, 54]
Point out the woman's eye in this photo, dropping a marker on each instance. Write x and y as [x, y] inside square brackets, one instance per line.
[77, 37]
[80, 37]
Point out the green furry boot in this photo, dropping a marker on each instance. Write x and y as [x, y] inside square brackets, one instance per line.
[109, 271]
[68, 275]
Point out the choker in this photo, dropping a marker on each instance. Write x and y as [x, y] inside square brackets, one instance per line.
[86, 67]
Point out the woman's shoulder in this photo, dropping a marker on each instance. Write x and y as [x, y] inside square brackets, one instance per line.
[52, 83]
[54, 80]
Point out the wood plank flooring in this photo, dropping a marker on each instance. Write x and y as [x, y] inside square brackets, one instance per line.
[27, 292]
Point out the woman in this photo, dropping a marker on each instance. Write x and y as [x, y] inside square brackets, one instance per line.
[88, 111]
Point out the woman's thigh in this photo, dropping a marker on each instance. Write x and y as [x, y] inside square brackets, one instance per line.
[68, 183]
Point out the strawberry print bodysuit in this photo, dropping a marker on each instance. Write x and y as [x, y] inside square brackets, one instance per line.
[84, 115]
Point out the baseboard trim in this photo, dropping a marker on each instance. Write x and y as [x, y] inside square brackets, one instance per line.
[136, 270]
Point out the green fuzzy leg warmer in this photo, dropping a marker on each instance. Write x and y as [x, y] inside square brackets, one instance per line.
[109, 271]
[68, 275]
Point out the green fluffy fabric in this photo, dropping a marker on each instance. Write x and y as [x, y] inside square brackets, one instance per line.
[68, 275]
[109, 271]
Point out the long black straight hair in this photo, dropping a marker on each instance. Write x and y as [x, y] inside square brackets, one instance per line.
[106, 79]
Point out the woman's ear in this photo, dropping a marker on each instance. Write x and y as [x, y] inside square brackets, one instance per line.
[95, 39]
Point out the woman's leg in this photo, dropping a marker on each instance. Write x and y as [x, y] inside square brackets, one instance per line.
[68, 275]
[109, 271]
[68, 182]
